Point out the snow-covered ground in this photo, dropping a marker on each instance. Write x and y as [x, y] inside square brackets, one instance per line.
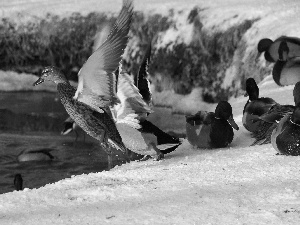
[235, 185]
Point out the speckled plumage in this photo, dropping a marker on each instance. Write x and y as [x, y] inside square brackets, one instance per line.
[91, 121]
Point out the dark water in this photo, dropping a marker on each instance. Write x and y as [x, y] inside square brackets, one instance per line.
[70, 157]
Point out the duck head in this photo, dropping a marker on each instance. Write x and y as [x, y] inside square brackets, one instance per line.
[224, 111]
[51, 73]
[263, 46]
[283, 51]
[252, 89]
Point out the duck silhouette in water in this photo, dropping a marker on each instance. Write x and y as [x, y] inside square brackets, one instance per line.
[35, 155]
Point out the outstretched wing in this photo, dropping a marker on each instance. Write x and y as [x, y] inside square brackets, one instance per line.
[96, 86]
[141, 80]
[132, 106]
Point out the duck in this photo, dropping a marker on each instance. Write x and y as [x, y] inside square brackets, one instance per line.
[286, 72]
[89, 105]
[211, 130]
[285, 137]
[141, 80]
[255, 107]
[69, 126]
[18, 182]
[35, 155]
[274, 117]
[140, 135]
[274, 49]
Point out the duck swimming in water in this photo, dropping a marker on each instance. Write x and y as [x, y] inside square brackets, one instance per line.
[255, 107]
[211, 130]
[88, 106]
[35, 155]
[275, 50]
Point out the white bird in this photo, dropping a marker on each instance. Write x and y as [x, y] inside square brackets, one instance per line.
[138, 134]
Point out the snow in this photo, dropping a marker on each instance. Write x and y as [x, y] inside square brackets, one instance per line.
[234, 185]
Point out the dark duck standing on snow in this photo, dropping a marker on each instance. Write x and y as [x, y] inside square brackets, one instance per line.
[274, 50]
[255, 107]
[211, 130]
[88, 106]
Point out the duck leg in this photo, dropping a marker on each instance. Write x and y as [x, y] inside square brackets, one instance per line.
[107, 148]
[159, 155]
[76, 135]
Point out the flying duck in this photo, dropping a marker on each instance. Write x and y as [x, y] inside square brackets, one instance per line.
[140, 135]
[88, 106]
[255, 107]
[211, 130]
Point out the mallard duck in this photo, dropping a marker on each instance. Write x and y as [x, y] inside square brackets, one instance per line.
[88, 106]
[18, 182]
[274, 116]
[283, 48]
[69, 126]
[285, 137]
[211, 130]
[255, 107]
[35, 155]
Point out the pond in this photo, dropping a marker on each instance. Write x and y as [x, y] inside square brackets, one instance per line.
[70, 157]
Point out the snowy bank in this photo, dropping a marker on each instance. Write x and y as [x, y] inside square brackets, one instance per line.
[213, 41]
[235, 185]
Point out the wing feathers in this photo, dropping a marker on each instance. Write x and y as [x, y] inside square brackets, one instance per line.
[97, 73]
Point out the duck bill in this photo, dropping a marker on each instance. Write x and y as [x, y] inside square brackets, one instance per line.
[39, 81]
[233, 123]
